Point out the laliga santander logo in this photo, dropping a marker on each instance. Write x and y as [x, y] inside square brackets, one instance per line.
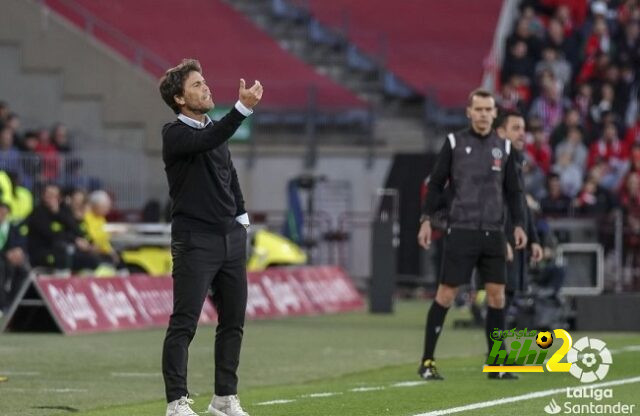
[590, 360]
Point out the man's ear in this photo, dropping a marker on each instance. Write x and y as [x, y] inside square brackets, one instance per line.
[179, 99]
[468, 112]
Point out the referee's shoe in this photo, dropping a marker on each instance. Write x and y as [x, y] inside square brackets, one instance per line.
[502, 376]
[428, 370]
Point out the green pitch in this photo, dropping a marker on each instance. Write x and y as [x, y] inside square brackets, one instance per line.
[343, 365]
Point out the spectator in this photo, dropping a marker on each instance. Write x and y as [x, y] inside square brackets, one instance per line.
[560, 133]
[22, 201]
[556, 38]
[9, 155]
[48, 155]
[512, 96]
[30, 160]
[95, 220]
[4, 112]
[630, 202]
[54, 240]
[60, 138]
[609, 148]
[13, 121]
[533, 178]
[522, 33]
[536, 26]
[632, 136]
[518, 62]
[550, 106]
[593, 199]
[583, 102]
[14, 266]
[539, 149]
[628, 45]
[555, 203]
[571, 161]
[554, 62]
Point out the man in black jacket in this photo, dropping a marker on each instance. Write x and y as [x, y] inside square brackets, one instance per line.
[482, 175]
[14, 265]
[54, 238]
[208, 234]
[511, 126]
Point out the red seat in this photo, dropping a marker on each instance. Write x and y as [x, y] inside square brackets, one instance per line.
[428, 44]
[227, 44]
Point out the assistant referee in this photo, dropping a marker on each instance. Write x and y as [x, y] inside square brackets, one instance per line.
[481, 172]
[208, 234]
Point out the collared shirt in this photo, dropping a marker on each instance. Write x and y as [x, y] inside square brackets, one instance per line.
[245, 111]
[200, 125]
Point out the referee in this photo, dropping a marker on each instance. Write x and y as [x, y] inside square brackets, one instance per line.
[482, 176]
[208, 234]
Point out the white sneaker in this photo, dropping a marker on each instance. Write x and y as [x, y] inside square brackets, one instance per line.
[226, 406]
[181, 407]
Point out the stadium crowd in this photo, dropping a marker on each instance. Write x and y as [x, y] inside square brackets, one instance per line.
[572, 68]
[63, 229]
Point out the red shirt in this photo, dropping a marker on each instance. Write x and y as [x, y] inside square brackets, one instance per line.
[541, 154]
[632, 136]
[602, 150]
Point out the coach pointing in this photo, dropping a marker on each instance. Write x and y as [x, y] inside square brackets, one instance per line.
[208, 233]
[481, 172]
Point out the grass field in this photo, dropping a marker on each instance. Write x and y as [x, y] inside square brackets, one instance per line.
[343, 365]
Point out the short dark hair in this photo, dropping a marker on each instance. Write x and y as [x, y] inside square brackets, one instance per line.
[478, 92]
[172, 82]
[504, 117]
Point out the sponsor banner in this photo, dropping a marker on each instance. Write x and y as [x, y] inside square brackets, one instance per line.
[81, 304]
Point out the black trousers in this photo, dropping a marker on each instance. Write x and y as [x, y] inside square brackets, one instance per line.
[11, 279]
[203, 261]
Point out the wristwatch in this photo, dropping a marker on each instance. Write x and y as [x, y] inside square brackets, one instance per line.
[424, 217]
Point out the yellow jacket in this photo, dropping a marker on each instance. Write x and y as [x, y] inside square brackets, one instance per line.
[22, 204]
[96, 233]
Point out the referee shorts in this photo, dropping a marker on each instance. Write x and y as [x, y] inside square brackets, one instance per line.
[465, 250]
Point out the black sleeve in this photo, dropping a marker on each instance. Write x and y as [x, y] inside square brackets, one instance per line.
[15, 239]
[513, 192]
[41, 225]
[235, 188]
[180, 140]
[532, 233]
[438, 179]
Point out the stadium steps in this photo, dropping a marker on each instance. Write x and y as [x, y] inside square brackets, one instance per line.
[293, 36]
[398, 125]
[92, 90]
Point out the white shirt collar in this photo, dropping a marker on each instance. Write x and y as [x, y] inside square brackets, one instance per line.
[194, 123]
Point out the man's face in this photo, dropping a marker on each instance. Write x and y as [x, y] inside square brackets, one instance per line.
[196, 96]
[51, 198]
[513, 130]
[482, 112]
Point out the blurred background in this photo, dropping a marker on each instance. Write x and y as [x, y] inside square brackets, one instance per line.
[359, 96]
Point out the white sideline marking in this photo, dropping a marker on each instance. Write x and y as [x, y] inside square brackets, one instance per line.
[528, 396]
[64, 390]
[274, 402]
[363, 389]
[136, 374]
[409, 384]
[322, 394]
[20, 373]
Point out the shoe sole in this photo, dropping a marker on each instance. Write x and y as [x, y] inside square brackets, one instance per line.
[215, 412]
